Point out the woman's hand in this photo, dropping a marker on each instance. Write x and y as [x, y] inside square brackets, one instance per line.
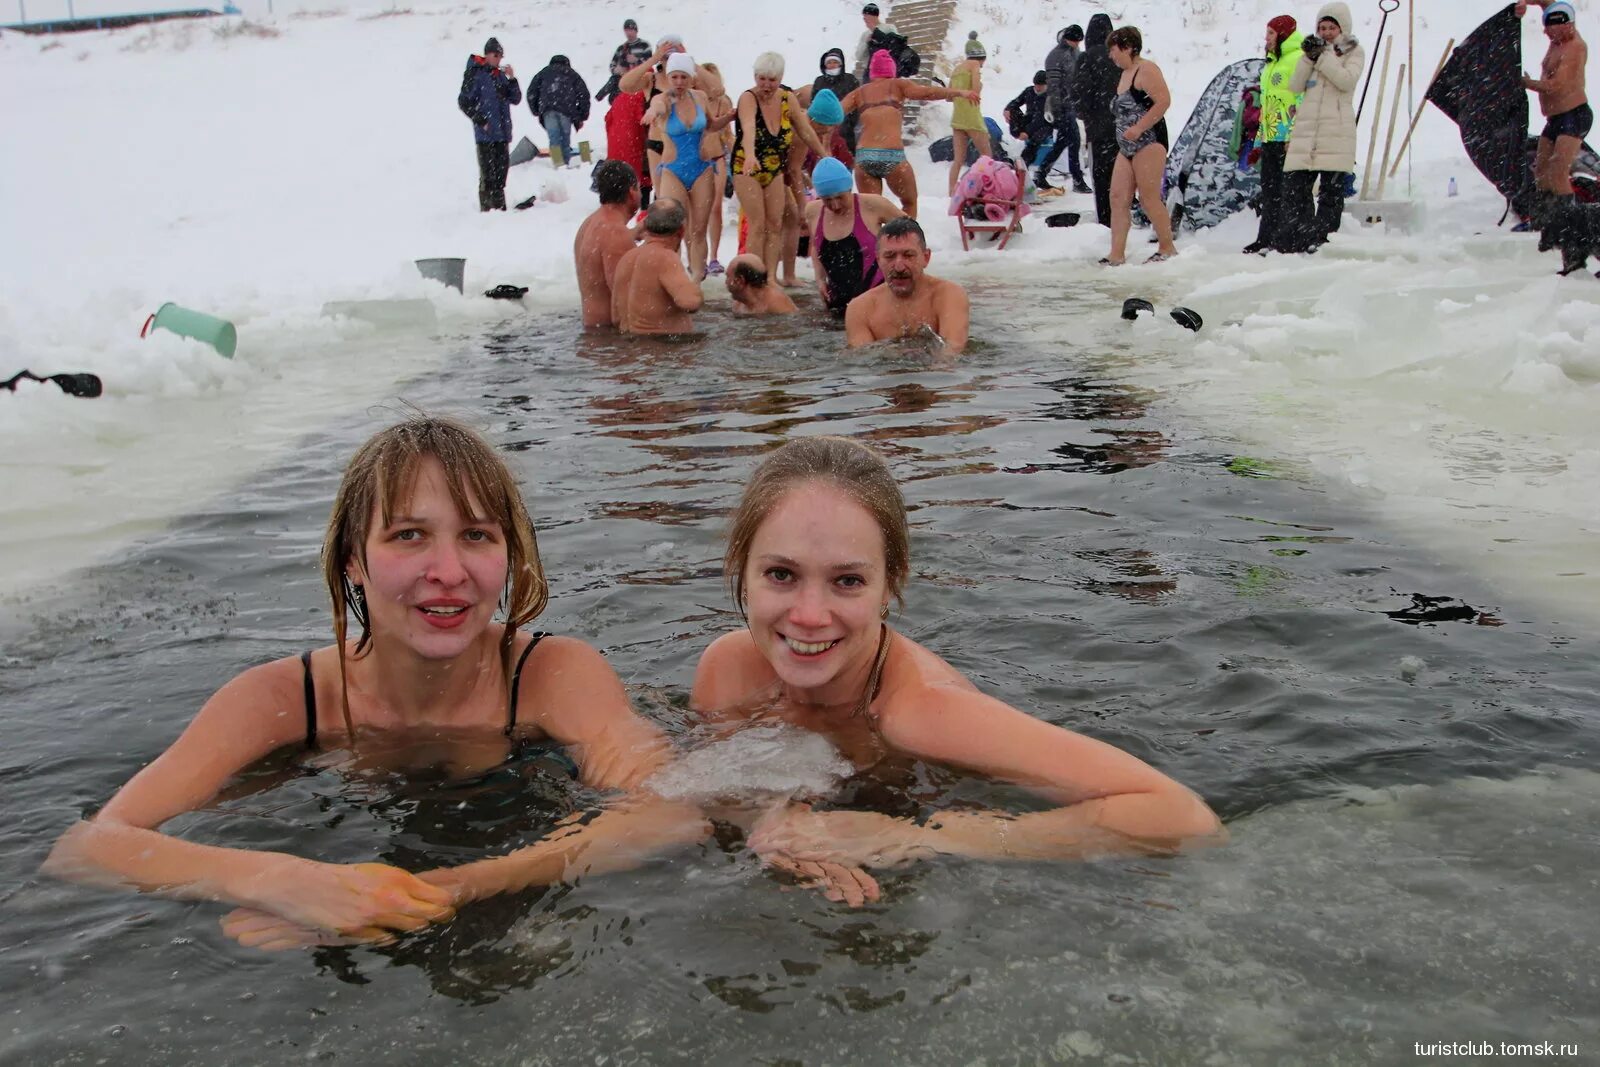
[273, 933]
[750, 167]
[350, 899]
[855, 838]
[850, 886]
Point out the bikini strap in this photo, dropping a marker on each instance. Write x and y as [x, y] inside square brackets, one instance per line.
[516, 681]
[311, 700]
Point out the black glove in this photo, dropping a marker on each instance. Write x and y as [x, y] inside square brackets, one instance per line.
[1312, 47]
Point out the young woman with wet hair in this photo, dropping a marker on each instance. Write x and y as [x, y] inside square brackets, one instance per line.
[428, 538]
[817, 550]
[1140, 114]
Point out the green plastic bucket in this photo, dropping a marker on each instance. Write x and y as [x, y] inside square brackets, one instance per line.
[218, 333]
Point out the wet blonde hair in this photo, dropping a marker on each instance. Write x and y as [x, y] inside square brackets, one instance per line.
[847, 465]
[381, 477]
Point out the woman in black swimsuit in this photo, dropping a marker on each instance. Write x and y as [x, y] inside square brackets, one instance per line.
[428, 535]
[1140, 113]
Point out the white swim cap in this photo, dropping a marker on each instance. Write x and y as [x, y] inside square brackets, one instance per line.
[680, 61]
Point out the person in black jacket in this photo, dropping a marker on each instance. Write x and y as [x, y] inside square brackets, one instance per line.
[629, 54]
[488, 89]
[559, 97]
[1094, 87]
[1027, 116]
[842, 83]
[1059, 67]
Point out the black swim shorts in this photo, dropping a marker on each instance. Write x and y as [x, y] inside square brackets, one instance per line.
[1574, 123]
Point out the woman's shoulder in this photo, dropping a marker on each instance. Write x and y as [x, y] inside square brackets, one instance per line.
[729, 670]
[917, 680]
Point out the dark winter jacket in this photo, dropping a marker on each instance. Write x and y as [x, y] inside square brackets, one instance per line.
[1094, 83]
[1026, 114]
[842, 83]
[486, 97]
[1060, 66]
[559, 88]
[629, 55]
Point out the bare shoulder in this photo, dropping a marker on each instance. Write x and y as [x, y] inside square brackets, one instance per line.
[880, 207]
[951, 292]
[730, 669]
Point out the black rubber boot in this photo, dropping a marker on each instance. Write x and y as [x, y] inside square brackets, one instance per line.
[1551, 232]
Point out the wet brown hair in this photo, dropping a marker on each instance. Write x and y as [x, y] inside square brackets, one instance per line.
[847, 465]
[1127, 38]
[381, 476]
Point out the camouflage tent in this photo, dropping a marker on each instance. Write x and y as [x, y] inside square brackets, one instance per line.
[1203, 166]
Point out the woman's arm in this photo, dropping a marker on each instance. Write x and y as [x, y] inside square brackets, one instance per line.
[724, 115]
[802, 125]
[914, 91]
[1160, 100]
[747, 123]
[259, 711]
[1341, 72]
[642, 77]
[574, 696]
[1111, 802]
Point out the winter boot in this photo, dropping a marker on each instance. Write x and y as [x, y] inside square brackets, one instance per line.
[1556, 210]
[1081, 187]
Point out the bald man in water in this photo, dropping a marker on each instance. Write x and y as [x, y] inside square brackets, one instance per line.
[604, 238]
[652, 293]
[910, 302]
[752, 295]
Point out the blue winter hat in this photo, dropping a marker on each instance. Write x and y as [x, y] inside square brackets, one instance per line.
[825, 109]
[830, 177]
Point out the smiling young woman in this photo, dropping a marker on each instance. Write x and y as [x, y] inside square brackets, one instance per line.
[428, 538]
[817, 550]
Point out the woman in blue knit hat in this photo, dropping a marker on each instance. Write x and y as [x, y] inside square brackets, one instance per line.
[844, 226]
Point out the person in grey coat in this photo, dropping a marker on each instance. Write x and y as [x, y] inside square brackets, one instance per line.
[1060, 66]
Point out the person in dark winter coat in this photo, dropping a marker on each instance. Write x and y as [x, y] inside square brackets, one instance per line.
[1060, 66]
[1094, 87]
[488, 89]
[560, 98]
[629, 54]
[1028, 117]
[835, 77]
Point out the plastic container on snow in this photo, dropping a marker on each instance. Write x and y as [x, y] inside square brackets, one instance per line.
[451, 272]
[218, 333]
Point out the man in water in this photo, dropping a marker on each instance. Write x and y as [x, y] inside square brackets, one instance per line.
[604, 238]
[910, 302]
[844, 229]
[1564, 102]
[652, 293]
[747, 284]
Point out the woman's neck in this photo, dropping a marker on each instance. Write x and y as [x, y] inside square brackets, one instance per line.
[421, 692]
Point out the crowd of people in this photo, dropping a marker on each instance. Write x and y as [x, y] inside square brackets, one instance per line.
[810, 167]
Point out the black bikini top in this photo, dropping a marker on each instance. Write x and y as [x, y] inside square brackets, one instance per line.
[511, 710]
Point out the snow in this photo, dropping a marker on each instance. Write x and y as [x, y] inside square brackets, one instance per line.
[259, 167]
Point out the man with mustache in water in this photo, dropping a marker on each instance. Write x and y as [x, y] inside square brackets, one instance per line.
[910, 302]
[604, 238]
[652, 293]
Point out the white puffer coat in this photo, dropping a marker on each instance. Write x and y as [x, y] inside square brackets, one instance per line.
[1324, 135]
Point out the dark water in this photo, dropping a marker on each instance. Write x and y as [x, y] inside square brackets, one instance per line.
[1415, 842]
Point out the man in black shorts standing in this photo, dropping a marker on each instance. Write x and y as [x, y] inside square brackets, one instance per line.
[1564, 102]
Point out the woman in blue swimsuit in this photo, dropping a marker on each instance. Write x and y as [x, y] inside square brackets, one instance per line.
[428, 541]
[687, 172]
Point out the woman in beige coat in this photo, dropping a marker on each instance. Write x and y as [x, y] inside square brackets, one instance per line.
[1323, 145]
